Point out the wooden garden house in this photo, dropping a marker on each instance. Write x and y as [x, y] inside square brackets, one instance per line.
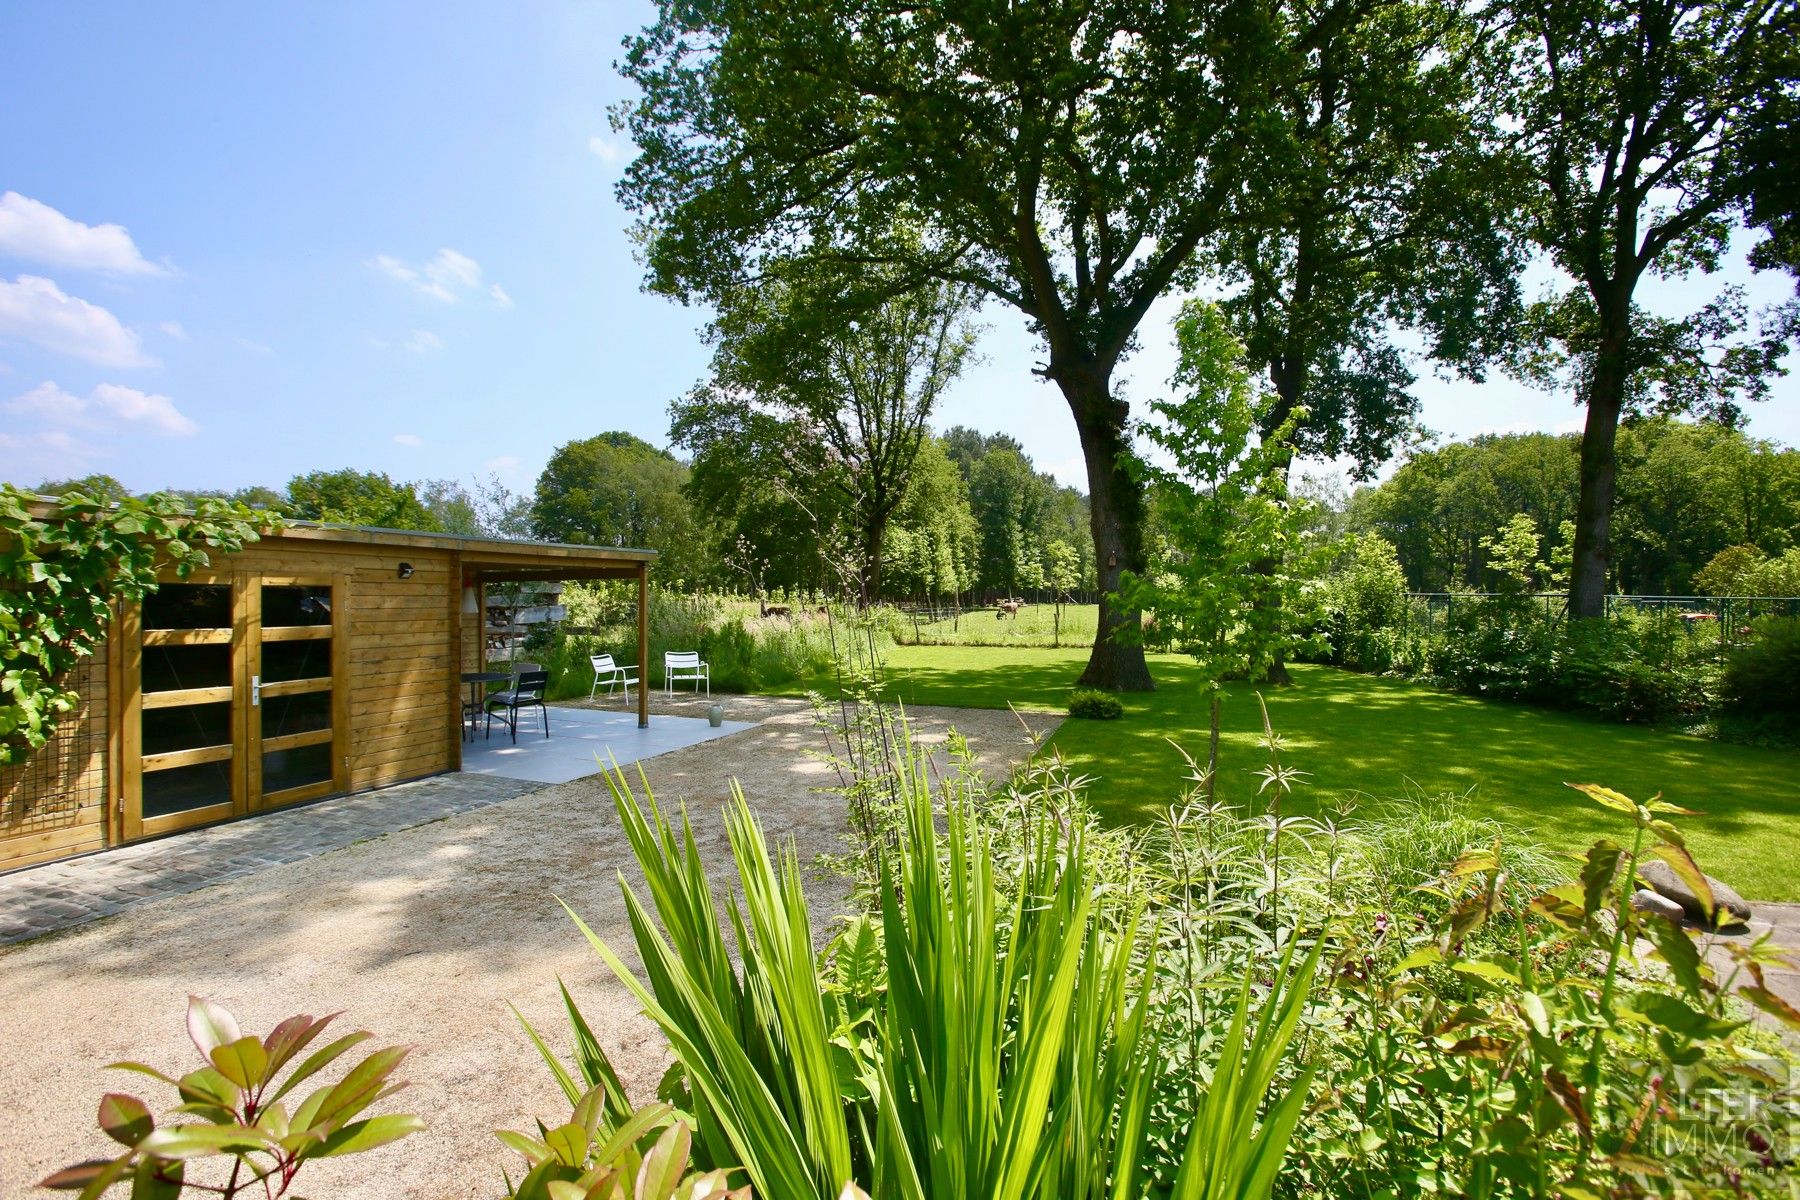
[319, 661]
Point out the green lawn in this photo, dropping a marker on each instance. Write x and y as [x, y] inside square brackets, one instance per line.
[1035, 625]
[1382, 739]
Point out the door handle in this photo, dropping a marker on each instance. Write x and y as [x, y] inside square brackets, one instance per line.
[255, 691]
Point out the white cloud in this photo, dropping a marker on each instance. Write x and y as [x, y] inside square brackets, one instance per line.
[174, 330]
[408, 439]
[108, 405]
[423, 341]
[603, 148]
[255, 347]
[32, 230]
[449, 277]
[49, 453]
[504, 462]
[33, 309]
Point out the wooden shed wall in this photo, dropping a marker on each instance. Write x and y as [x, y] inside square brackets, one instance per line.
[405, 647]
[402, 670]
[54, 803]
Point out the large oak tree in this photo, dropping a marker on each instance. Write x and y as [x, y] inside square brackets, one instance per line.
[1066, 159]
[1642, 126]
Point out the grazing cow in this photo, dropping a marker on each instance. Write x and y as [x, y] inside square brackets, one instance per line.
[1008, 608]
[775, 610]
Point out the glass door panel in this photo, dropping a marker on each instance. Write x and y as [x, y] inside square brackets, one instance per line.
[296, 751]
[181, 760]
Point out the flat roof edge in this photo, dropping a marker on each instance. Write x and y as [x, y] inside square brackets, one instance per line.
[465, 543]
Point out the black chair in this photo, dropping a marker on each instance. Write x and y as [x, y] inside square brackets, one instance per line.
[527, 691]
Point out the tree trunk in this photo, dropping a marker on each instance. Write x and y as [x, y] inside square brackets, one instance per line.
[871, 559]
[1593, 511]
[1287, 388]
[1116, 517]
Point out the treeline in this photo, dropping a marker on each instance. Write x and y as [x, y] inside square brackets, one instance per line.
[975, 516]
[350, 497]
[1686, 492]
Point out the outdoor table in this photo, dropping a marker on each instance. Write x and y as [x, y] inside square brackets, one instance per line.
[475, 679]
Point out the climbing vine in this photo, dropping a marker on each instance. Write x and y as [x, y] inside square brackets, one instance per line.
[59, 574]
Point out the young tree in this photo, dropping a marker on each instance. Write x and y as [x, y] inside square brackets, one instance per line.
[1064, 159]
[1636, 123]
[1222, 493]
[837, 383]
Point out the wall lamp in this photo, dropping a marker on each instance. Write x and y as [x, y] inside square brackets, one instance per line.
[406, 570]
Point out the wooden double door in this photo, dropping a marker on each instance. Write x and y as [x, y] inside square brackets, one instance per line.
[234, 698]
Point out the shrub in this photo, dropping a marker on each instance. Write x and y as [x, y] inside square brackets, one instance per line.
[1363, 616]
[1093, 705]
[242, 1116]
[643, 1156]
[1728, 572]
[744, 652]
[985, 1037]
[1761, 680]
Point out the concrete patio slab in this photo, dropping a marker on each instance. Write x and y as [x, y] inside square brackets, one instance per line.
[583, 742]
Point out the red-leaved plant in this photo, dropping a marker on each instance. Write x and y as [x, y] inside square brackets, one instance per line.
[242, 1113]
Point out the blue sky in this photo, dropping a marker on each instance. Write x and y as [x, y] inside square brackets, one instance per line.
[383, 236]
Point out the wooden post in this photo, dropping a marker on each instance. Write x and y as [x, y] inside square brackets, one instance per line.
[457, 583]
[643, 615]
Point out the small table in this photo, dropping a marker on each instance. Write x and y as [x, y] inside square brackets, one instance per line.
[475, 679]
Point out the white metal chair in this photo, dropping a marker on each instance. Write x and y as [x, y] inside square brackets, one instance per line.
[612, 675]
[684, 664]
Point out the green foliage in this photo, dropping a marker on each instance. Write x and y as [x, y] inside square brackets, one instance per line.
[1007, 498]
[242, 1114]
[1628, 129]
[1686, 492]
[744, 652]
[992, 1042]
[1522, 1049]
[350, 497]
[615, 489]
[931, 546]
[101, 487]
[822, 385]
[60, 575]
[590, 1157]
[1362, 610]
[1384, 216]
[1761, 681]
[1729, 572]
[1092, 705]
[1237, 554]
[1778, 576]
[1512, 556]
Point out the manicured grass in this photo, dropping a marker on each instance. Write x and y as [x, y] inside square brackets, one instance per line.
[1381, 740]
[1035, 625]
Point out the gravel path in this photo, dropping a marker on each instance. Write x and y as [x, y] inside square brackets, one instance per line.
[423, 937]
